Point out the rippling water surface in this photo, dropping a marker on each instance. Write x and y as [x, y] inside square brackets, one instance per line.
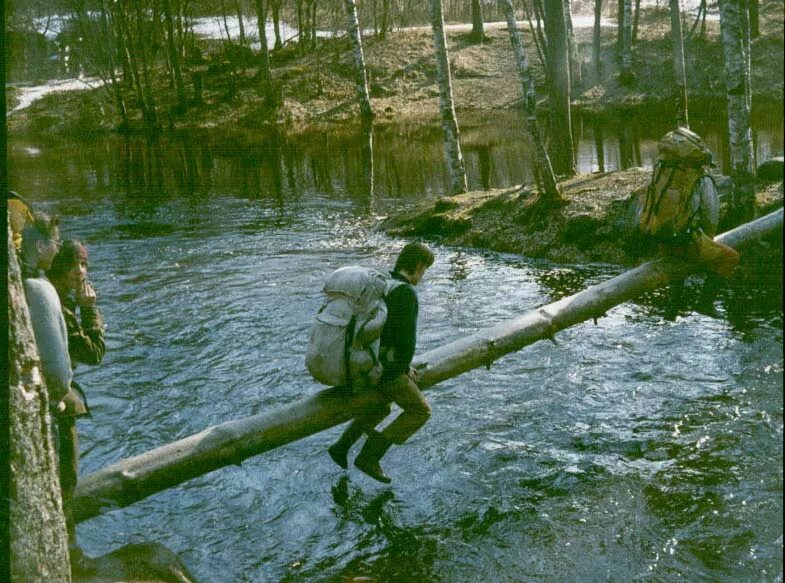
[635, 449]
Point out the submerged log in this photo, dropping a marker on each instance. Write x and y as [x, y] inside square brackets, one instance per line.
[130, 480]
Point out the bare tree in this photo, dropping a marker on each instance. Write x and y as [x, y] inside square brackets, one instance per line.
[754, 12]
[546, 181]
[174, 57]
[360, 76]
[596, 39]
[275, 10]
[700, 18]
[626, 75]
[575, 64]
[636, 19]
[478, 31]
[735, 44]
[559, 80]
[265, 74]
[452, 145]
[679, 69]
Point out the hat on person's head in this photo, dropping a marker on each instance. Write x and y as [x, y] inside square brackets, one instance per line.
[70, 254]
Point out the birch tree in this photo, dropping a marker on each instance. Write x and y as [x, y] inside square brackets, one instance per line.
[559, 79]
[679, 69]
[735, 45]
[575, 64]
[452, 145]
[360, 76]
[546, 181]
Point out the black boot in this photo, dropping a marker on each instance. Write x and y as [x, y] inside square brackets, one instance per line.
[368, 461]
[339, 451]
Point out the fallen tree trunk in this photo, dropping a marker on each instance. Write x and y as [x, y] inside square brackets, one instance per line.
[36, 523]
[127, 481]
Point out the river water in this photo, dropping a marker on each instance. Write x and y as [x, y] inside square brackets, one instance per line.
[636, 449]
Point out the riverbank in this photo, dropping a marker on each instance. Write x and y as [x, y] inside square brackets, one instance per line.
[596, 224]
[317, 88]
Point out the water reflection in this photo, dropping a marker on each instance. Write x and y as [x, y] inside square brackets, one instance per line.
[371, 165]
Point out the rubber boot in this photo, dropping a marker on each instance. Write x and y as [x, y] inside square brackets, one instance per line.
[368, 460]
[339, 451]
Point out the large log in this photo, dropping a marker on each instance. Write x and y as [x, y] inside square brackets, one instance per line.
[127, 481]
[36, 523]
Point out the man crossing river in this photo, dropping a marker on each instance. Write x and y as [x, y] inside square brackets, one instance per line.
[399, 380]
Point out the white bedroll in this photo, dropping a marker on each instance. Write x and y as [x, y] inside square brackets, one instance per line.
[346, 332]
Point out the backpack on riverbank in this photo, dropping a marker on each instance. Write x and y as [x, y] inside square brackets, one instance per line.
[666, 213]
[343, 347]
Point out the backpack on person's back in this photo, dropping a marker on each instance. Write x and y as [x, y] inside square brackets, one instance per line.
[666, 212]
[343, 347]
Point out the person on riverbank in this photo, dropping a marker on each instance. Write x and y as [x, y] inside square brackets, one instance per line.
[84, 325]
[39, 244]
[399, 380]
[681, 211]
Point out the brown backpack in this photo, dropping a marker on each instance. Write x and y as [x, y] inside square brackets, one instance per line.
[666, 212]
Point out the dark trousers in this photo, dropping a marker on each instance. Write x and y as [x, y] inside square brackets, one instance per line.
[68, 454]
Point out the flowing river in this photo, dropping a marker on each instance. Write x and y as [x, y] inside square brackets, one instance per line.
[636, 449]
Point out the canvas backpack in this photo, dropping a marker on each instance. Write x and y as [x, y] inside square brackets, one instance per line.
[343, 347]
[666, 212]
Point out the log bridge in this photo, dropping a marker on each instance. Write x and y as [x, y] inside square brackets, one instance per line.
[130, 480]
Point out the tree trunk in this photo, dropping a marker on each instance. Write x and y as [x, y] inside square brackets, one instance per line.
[275, 8]
[174, 57]
[700, 18]
[626, 76]
[546, 181]
[360, 76]
[636, 18]
[478, 32]
[301, 33]
[754, 9]
[39, 543]
[452, 145]
[239, 9]
[265, 73]
[619, 29]
[679, 69]
[384, 25]
[366, 158]
[737, 85]
[596, 40]
[559, 77]
[143, 47]
[575, 64]
[127, 481]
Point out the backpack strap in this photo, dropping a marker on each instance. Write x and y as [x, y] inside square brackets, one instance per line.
[696, 184]
[652, 204]
[347, 348]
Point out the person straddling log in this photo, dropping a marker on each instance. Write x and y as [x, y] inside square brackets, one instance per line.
[398, 382]
[680, 212]
[84, 325]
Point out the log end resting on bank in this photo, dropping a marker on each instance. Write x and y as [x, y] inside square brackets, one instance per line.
[127, 481]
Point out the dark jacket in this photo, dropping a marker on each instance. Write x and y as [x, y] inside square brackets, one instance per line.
[399, 335]
[85, 336]
[85, 345]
